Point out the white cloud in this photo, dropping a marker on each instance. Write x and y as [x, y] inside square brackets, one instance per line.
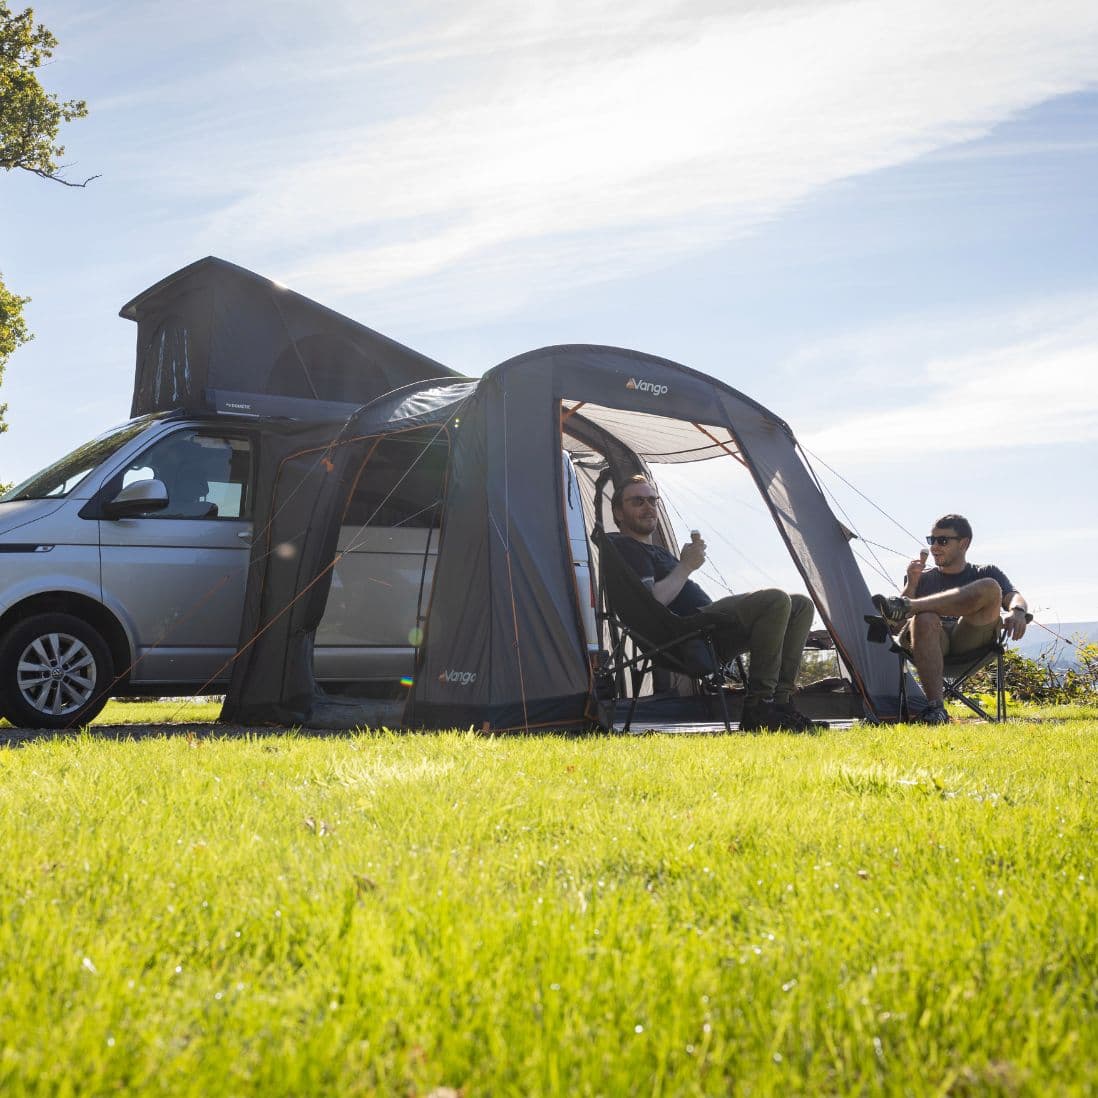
[470, 156]
[1025, 378]
[656, 130]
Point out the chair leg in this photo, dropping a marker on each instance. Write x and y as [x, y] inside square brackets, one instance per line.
[718, 683]
[905, 711]
[1000, 689]
[953, 690]
[976, 708]
[955, 687]
[638, 670]
[724, 708]
[718, 679]
[638, 678]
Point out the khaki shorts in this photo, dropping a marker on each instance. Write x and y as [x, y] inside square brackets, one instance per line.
[958, 637]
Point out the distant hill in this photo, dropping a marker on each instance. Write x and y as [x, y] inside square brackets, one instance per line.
[1038, 641]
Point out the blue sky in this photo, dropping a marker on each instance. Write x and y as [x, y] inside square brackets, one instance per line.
[879, 221]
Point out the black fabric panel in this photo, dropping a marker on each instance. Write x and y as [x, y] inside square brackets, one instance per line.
[301, 490]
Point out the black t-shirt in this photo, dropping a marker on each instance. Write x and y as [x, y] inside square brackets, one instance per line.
[934, 582]
[652, 563]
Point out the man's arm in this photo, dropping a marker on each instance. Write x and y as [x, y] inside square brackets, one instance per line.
[915, 573]
[691, 558]
[1014, 604]
[1017, 609]
[665, 589]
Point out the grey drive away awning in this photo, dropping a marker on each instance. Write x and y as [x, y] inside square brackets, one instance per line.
[503, 646]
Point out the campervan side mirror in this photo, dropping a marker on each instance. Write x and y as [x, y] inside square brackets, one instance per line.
[138, 498]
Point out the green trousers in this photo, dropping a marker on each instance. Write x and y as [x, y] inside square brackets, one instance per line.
[771, 627]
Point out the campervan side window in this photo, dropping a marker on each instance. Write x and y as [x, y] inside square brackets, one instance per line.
[401, 484]
[207, 475]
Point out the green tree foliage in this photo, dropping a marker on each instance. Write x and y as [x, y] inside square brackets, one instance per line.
[30, 118]
[13, 332]
[29, 115]
[1039, 680]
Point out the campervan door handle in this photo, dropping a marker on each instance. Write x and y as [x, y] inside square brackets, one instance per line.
[245, 535]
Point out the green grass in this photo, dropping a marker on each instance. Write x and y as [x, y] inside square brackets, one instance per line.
[890, 910]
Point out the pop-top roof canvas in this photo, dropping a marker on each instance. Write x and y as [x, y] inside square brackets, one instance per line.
[213, 327]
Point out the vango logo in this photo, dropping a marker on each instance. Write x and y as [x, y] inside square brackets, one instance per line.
[646, 387]
[461, 678]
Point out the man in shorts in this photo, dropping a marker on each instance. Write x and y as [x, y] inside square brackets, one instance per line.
[770, 625]
[950, 609]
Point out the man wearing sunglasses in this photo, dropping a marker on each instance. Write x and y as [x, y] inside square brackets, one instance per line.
[950, 609]
[770, 625]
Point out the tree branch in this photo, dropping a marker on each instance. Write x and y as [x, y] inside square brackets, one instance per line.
[64, 182]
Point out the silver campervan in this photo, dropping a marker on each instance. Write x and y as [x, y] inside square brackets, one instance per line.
[123, 568]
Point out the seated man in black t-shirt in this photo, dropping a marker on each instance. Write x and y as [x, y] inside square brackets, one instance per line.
[950, 609]
[769, 625]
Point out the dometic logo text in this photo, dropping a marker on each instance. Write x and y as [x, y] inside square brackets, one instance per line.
[462, 678]
[646, 387]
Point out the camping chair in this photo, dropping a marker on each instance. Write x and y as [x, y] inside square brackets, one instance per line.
[658, 638]
[956, 670]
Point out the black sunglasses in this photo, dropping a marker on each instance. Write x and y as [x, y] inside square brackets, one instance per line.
[640, 501]
[941, 539]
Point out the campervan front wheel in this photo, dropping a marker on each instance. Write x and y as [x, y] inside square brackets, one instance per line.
[55, 671]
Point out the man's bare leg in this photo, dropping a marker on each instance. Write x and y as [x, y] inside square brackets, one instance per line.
[978, 602]
[926, 649]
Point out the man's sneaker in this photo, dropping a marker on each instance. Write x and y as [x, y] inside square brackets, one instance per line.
[935, 713]
[895, 609]
[758, 716]
[763, 715]
[792, 720]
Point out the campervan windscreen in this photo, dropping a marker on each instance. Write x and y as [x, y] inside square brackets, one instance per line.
[60, 478]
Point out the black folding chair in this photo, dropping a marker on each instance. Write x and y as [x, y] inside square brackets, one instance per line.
[657, 638]
[956, 670]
